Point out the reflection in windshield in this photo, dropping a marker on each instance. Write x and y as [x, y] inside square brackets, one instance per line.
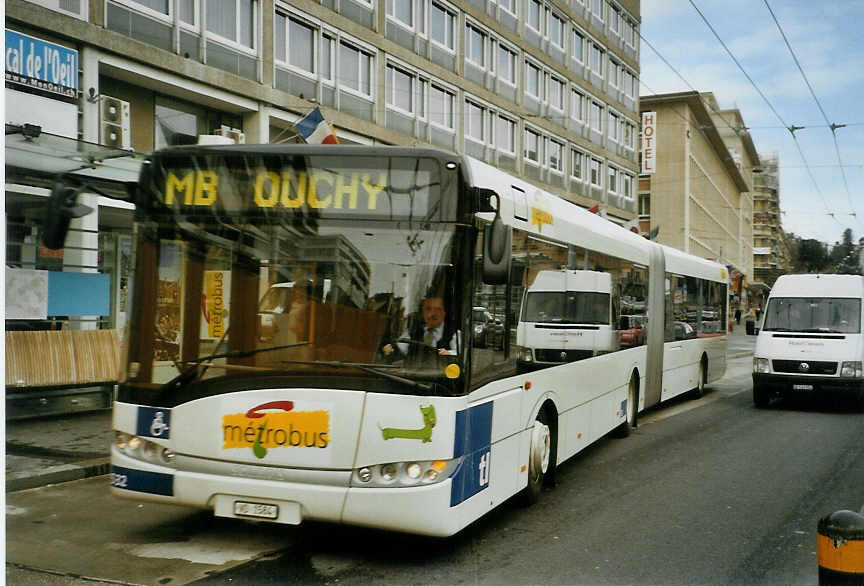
[811, 314]
[571, 307]
[290, 301]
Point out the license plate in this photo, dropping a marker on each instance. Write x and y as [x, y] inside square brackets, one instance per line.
[259, 510]
[802, 387]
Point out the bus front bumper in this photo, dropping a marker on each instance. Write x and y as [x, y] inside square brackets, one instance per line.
[422, 510]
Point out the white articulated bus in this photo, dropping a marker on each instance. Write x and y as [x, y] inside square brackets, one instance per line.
[297, 406]
[811, 341]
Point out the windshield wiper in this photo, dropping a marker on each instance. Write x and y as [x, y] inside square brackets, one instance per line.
[188, 375]
[374, 369]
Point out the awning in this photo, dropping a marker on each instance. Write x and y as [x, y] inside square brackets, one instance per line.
[35, 158]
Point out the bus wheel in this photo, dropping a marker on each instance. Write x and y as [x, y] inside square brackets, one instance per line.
[627, 426]
[699, 391]
[538, 458]
[761, 398]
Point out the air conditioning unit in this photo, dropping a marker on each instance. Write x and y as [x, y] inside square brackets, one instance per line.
[234, 134]
[114, 123]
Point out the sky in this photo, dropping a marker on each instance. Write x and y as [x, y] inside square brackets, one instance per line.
[825, 37]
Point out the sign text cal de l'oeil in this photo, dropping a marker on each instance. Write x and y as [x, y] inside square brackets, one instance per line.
[39, 64]
[358, 190]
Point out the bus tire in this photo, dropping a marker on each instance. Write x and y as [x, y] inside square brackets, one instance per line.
[761, 398]
[628, 425]
[539, 457]
[699, 391]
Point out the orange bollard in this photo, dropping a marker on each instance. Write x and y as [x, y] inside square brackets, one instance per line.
[841, 549]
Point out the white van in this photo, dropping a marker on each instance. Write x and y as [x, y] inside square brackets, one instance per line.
[810, 340]
[565, 316]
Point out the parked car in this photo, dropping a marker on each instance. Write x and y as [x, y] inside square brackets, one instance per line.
[484, 325]
[632, 330]
[684, 331]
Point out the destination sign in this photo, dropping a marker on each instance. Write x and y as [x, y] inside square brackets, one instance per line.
[333, 191]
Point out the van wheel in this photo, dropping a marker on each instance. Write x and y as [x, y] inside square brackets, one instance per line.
[627, 426]
[539, 456]
[761, 398]
[699, 391]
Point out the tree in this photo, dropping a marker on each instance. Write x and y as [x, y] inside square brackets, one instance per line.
[846, 259]
[810, 256]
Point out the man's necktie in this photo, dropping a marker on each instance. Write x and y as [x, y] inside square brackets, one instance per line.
[429, 337]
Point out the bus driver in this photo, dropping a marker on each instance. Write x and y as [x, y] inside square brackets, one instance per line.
[433, 332]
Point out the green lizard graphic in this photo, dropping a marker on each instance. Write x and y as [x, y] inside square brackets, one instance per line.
[259, 450]
[424, 433]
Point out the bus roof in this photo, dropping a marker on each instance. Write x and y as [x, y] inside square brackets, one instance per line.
[529, 208]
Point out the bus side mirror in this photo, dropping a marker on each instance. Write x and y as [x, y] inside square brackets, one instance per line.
[62, 207]
[497, 244]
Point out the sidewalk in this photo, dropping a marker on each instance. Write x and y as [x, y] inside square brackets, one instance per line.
[49, 450]
[57, 449]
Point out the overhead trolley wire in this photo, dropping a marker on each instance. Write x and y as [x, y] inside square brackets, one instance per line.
[830, 124]
[792, 129]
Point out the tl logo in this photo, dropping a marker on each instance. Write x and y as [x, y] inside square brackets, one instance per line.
[275, 425]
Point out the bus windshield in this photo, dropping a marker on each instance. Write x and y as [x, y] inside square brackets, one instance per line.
[237, 287]
[570, 307]
[813, 314]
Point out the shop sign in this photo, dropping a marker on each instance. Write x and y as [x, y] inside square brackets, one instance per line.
[41, 65]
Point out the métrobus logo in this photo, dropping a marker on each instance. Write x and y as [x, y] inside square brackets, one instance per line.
[275, 425]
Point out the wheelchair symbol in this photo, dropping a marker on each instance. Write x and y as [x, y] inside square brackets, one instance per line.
[158, 426]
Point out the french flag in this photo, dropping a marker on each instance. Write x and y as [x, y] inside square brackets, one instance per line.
[315, 130]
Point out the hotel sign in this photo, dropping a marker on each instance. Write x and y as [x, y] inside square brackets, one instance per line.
[649, 142]
[41, 65]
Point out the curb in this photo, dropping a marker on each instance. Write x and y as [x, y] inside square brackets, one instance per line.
[56, 474]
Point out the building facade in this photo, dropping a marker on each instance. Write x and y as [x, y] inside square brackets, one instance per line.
[770, 248]
[545, 89]
[696, 192]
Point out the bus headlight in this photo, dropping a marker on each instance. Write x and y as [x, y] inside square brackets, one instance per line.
[525, 354]
[852, 369]
[404, 474]
[142, 449]
[761, 365]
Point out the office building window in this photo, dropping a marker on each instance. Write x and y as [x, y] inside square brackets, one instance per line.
[534, 11]
[506, 65]
[556, 93]
[596, 172]
[532, 144]
[400, 91]
[597, 56]
[577, 106]
[232, 20]
[442, 23]
[596, 116]
[475, 46]
[532, 80]
[556, 156]
[355, 67]
[441, 103]
[301, 40]
[401, 11]
[577, 165]
[475, 122]
[505, 134]
[556, 30]
[577, 43]
[645, 204]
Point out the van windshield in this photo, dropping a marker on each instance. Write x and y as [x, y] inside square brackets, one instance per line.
[571, 307]
[813, 314]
